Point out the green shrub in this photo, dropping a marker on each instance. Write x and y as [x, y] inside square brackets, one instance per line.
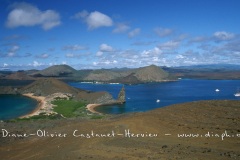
[68, 108]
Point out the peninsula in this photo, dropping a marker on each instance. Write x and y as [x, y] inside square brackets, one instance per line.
[47, 90]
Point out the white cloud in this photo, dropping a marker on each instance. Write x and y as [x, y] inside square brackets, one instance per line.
[5, 64]
[223, 36]
[170, 45]
[11, 54]
[152, 52]
[180, 56]
[134, 32]
[75, 47]
[72, 55]
[94, 19]
[82, 14]
[44, 55]
[106, 48]
[14, 48]
[99, 53]
[163, 32]
[121, 28]
[198, 39]
[105, 63]
[12, 51]
[36, 64]
[25, 14]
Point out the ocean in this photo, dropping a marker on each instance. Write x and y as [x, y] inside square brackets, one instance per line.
[13, 106]
[144, 97]
[139, 98]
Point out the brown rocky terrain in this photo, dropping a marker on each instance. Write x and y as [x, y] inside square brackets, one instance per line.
[19, 76]
[44, 87]
[216, 123]
[209, 75]
[55, 71]
[102, 75]
[146, 74]
[151, 74]
[48, 86]
[140, 75]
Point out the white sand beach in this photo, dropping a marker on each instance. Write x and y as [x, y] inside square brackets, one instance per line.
[91, 108]
[42, 104]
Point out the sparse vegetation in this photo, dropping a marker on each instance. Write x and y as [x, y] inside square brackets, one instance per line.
[72, 108]
[97, 116]
[37, 117]
[68, 108]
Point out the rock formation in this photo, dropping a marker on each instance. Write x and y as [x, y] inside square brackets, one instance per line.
[121, 96]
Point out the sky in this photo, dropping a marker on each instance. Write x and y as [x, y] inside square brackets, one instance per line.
[91, 34]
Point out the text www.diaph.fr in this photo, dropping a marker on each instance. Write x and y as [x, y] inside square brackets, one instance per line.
[222, 135]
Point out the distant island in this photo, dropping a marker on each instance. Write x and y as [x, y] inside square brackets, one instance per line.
[145, 74]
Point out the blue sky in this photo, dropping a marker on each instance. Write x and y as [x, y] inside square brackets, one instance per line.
[84, 34]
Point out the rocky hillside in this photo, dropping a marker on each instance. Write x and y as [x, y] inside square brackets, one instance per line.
[55, 71]
[45, 87]
[19, 76]
[208, 119]
[48, 86]
[105, 75]
[151, 74]
[101, 75]
[140, 75]
[127, 76]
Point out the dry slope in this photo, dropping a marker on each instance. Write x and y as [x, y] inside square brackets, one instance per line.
[206, 118]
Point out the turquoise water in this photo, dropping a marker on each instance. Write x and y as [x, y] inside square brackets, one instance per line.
[139, 98]
[143, 97]
[13, 106]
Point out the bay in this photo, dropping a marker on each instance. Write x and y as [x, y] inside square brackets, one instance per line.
[144, 97]
[14, 106]
[139, 98]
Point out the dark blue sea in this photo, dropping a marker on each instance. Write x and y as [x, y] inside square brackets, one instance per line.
[13, 106]
[139, 98]
[144, 97]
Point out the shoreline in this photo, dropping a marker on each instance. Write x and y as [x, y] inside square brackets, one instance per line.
[41, 104]
[91, 108]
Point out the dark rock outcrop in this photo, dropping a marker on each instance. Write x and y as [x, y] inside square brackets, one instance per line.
[121, 96]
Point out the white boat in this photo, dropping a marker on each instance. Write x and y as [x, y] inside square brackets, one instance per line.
[217, 90]
[237, 94]
[158, 101]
